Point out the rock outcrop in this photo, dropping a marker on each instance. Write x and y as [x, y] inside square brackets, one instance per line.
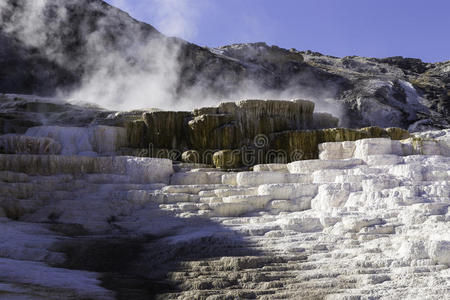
[228, 126]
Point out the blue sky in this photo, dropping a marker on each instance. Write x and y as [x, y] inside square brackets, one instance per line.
[374, 28]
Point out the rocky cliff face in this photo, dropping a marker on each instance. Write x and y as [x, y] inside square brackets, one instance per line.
[391, 91]
[76, 42]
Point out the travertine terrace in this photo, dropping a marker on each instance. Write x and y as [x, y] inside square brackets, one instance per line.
[367, 220]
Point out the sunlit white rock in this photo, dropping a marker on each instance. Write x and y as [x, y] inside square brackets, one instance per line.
[376, 146]
[301, 223]
[195, 178]
[355, 224]
[229, 178]
[413, 172]
[383, 159]
[271, 168]
[413, 250]
[333, 195]
[378, 183]
[329, 175]
[258, 178]
[225, 192]
[439, 251]
[336, 150]
[287, 191]
[309, 166]
[255, 201]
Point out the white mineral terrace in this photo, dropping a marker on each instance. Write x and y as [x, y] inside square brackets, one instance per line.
[365, 221]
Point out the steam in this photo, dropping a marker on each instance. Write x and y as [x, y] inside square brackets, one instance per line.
[172, 17]
[117, 85]
[137, 70]
[177, 18]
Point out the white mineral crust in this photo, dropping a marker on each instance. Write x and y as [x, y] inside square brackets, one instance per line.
[363, 222]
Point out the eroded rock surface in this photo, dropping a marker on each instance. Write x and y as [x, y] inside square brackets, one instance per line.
[230, 126]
